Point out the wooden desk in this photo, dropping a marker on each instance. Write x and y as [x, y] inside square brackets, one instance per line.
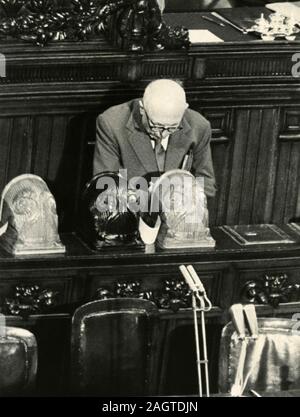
[78, 276]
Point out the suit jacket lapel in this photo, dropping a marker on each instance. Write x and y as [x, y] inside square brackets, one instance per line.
[178, 146]
[143, 149]
[140, 141]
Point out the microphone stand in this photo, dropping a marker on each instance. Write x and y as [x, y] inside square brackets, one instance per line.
[200, 302]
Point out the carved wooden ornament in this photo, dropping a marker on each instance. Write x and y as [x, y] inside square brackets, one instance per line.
[28, 218]
[184, 215]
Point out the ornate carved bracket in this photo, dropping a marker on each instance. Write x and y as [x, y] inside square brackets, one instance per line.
[134, 25]
[29, 299]
[272, 290]
[174, 295]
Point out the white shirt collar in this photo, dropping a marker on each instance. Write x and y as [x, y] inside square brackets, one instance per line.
[164, 142]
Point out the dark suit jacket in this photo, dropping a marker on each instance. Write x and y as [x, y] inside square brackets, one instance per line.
[122, 142]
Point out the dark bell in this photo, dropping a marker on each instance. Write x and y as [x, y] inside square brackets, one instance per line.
[103, 224]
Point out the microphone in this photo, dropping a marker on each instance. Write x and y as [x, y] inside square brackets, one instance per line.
[188, 278]
[196, 279]
[198, 296]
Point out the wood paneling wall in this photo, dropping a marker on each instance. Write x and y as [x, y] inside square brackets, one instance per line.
[257, 171]
[47, 127]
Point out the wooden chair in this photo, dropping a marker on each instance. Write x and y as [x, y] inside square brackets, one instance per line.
[272, 360]
[18, 361]
[113, 342]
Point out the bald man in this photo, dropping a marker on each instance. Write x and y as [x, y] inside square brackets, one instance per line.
[155, 134]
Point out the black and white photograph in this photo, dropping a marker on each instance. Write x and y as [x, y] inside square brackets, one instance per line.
[149, 202]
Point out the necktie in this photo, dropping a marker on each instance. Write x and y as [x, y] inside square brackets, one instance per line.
[160, 155]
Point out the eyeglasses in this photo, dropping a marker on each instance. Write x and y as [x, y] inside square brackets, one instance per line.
[156, 127]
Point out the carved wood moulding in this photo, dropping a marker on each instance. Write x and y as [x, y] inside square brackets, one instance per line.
[139, 70]
[134, 25]
[271, 290]
[68, 65]
[29, 299]
[174, 295]
[250, 66]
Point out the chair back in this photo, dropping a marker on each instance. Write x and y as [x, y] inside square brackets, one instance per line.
[272, 360]
[112, 347]
[18, 362]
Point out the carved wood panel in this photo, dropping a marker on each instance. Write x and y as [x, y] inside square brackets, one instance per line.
[287, 185]
[242, 66]
[252, 176]
[61, 288]
[286, 202]
[275, 285]
[152, 282]
[222, 148]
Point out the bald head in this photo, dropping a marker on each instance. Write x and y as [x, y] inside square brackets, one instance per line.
[164, 102]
